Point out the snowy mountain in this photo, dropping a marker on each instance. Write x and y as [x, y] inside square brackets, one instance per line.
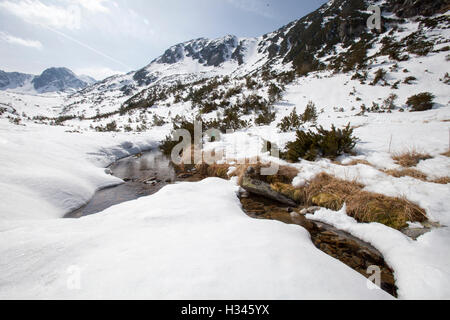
[333, 41]
[51, 80]
[333, 38]
[14, 80]
[205, 51]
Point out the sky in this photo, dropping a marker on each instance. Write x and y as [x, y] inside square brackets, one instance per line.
[100, 38]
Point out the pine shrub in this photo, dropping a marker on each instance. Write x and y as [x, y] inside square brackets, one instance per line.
[266, 117]
[389, 102]
[421, 102]
[323, 143]
[275, 93]
[290, 122]
[380, 75]
[409, 79]
[310, 114]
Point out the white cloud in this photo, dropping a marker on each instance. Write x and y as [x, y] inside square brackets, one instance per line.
[98, 73]
[93, 5]
[36, 12]
[19, 41]
[76, 14]
[255, 6]
[68, 15]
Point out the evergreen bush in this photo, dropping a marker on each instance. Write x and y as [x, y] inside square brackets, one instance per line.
[323, 143]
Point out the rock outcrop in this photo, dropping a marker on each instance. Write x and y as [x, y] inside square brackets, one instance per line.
[412, 8]
[261, 188]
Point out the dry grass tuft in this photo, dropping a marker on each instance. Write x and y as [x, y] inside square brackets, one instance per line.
[241, 169]
[410, 158]
[331, 192]
[443, 180]
[417, 175]
[214, 170]
[394, 212]
[447, 154]
[407, 173]
[285, 174]
[334, 187]
[356, 162]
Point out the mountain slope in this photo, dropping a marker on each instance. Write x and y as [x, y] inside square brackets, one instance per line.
[206, 76]
[13, 80]
[57, 79]
[51, 80]
[333, 38]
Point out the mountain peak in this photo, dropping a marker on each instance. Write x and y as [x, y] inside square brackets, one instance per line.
[57, 79]
[54, 79]
[205, 51]
[13, 80]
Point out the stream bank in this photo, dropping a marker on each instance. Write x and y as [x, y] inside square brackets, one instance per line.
[145, 174]
[355, 253]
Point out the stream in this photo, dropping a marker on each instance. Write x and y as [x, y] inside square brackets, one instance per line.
[144, 174]
[147, 173]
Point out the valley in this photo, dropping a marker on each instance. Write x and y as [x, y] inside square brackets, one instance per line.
[355, 120]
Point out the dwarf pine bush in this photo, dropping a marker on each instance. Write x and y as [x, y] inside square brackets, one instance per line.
[421, 102]
[323, 143]
[380, 75]
[290, 122]
[310, 114]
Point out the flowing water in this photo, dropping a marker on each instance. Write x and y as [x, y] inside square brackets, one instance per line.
[144, 174]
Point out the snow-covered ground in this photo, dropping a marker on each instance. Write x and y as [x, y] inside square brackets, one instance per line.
[31, 105]
[190, 240]
[421, 267]
[48, 172]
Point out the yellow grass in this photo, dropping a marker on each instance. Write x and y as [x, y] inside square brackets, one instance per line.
[407, 172]
[410, 158]
[331, 192]
[443, 180]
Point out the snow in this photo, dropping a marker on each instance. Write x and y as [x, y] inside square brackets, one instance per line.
[32, 104]
[48, 172]
[201, 246]
[421, 267]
